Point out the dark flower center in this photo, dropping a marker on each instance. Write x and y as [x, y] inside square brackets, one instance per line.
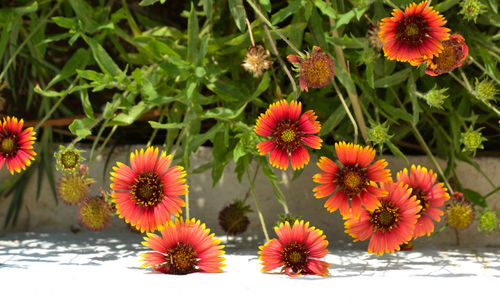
[295, 256]
[233, 220]
[412, 29]
[147, 189]
[287, 136]
[8, 146]
[69, 159]
[352, 179]
[422, 199]
[385, 217]
[181, 259]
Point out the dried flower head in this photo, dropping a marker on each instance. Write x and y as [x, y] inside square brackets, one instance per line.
[233, 219]
[436, 97]
[472, 140]
[95, 213]
[256, 60]
[488, 221]
[68, 159]
[315, 71]
[74, 188]
[452, 56]
[471, 9]
[485, 90]
[460, 213]
[373, 37]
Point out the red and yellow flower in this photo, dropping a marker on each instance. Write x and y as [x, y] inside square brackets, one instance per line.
[454, 53]
[389, 225]
[289, 132]
[429, 194]
[416, 33]
[16, 144]
[315, 71]
[297, 250]
[183, 247]
[353, 181]
[147, 193]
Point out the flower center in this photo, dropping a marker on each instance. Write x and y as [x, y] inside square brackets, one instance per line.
[412, 29]
[8, 146]
[295, 256]
[287, 136]
[147, 189]
[422, 199]
[352, 179]
[181, 259]
[316, 70]
[385, 217]
[69, 159]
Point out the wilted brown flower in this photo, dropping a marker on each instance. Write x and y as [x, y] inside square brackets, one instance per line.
[256, 60]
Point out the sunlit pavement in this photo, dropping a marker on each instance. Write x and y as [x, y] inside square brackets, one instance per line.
[95, 267]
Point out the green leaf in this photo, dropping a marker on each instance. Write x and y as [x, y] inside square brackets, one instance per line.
[86, 104]
[292, 8]
[82, 127]
[238, 12]
[345, 18]
[396, 152]
[395, 113]
[78, 60]
[392, 80]
[326, 9]
[172, 125]
[333, 120]
[85, 13]
[266, 4]
[105, 62]
[224, 113]
[474, 197]
[268, 171]
[65, 22]
[125, 119]
[193, 31]
[48, 93]
[150, 2]
[494, 6]
[445, 5]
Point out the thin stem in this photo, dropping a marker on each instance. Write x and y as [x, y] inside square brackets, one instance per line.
[264, 19]
[348, 112]
[253, 181]
[105, 142]
[465, 83]
[390, 3]
[482, 68]
[457, 238]
[186, 199]
[250, 31]
[257, 206]
[19, 48]
[431, 156]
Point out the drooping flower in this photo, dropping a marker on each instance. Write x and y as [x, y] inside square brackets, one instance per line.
[95, 213]
[454, 53]
[68, 159]
[16, 144]
[146, 193]
[73, 188]
[415, 33]
[429, 194]
[315, 71]
[354, 181]
[460, 213]
[183, 247]
[289, 132]
[233, 219]
[297, 250]
[256, 60]
[389, 225]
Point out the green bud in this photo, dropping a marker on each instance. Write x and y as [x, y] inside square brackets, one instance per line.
[472, 140]
[378, 134]
[68, 159]
[436, 98]
[485, 90]
[488, 221]
[288, 218]
[471, 9]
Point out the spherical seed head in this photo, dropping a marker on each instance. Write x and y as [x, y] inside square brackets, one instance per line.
[233, 219]
[256, 60]
[378, 134]
[436, 97]
[74, 188]
[460, 215]
[488, 221]
[373, 37]
[95, 213]
[471, 9]
[485, 90]
[472, 140]
[316, 70]
[68, 159]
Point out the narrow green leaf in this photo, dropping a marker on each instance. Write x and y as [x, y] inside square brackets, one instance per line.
[150, 2]
[396, 152]
[173, 125]
[238, 12]
[193, 39]
[292, 8]
[86, 104]
[105, 62]
[78, 60]
[82, 127]
[333, 120]
[393, 79]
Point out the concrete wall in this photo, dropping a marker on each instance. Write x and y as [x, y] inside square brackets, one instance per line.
[206, 202]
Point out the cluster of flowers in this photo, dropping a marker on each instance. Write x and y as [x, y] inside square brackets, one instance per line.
[417, 36]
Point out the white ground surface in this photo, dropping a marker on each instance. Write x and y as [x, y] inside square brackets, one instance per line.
[104, 268]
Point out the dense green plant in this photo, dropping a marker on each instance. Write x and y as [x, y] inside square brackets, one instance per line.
[107, 65]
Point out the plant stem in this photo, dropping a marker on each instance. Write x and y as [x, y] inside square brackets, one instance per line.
[250, 31]
[19, 48]
[186, 199]
[348, 112]
[257, 206]
[431, 156]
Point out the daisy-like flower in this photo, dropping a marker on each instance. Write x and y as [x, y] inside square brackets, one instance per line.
[454, 53]
[146, 193]
[389, 225]
[95, 213]
[429, 194]
[315, 71]
[183, 247]
[354, 180]
[415, 33]
[16, 144]
[297, 250]
[256, 60]
[289, 131]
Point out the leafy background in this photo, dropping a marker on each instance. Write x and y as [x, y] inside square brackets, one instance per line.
[169, 73]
